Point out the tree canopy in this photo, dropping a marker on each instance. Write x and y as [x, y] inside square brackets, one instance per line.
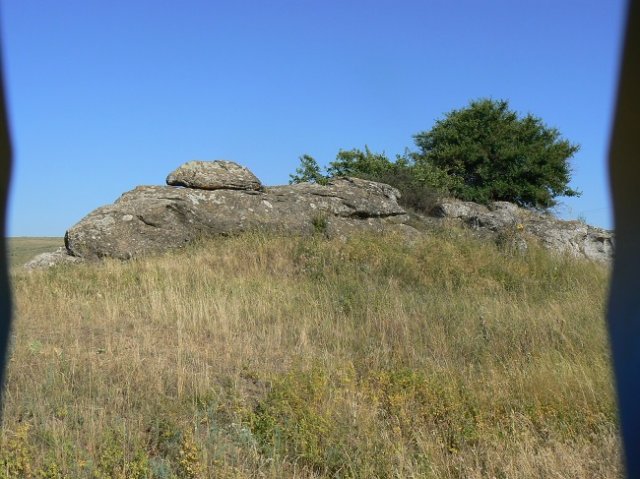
[486, 152]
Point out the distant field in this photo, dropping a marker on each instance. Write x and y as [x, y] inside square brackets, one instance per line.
[22, 249]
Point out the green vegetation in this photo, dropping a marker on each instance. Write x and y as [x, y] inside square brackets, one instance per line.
[22, 249]
[308, 171]
[258, 356]
[415, 192]
[484, 152]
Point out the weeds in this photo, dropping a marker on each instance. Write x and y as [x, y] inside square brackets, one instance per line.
[320, 224]
[255, 356]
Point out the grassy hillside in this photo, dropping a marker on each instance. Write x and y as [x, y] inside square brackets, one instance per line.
[309, 358]
[22, 249]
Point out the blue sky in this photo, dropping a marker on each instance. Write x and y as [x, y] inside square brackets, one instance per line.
[107, 95]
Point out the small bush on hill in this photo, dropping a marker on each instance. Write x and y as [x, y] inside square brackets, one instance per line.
[484, 152]
[416, 193]
[308, 172]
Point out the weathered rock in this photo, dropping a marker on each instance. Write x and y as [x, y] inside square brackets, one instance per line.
[599, 244]
[47, 260]
[503, 219]
[214, 175]
[151, 219]
[223, 198]
[457, 209]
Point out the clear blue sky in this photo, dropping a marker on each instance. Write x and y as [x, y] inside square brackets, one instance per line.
[107, 95]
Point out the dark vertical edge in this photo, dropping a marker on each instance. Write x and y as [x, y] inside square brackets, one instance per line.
[5, 175]
[623, 313]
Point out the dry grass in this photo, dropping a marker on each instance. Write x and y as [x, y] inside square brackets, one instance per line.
[22, 249]
[307, 358]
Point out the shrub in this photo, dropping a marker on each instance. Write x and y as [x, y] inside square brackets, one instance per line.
[308, 171]
[416, 193]
[486, 152]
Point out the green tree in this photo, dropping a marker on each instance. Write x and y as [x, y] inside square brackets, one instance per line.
[486, 152]
[308, 171]
[356, 162]
[353, 162]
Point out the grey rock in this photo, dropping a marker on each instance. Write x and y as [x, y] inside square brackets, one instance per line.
[47, 260]
[223, 198]
[506, 220]
[153, 219]
[457, 209]
[599, 244]
[214, 175]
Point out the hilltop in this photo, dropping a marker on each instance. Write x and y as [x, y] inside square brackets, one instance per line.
[269, 356]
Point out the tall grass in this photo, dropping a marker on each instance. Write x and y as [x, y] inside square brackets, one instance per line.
[260, 356]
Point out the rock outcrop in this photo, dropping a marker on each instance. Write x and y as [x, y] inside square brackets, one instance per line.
[214, 175]
[506, 220]
[207, 199]
[46, 260]
[152, 219]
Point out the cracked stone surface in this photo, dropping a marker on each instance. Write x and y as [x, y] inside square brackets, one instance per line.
[153, 219]
[214, 175]
[505, 219]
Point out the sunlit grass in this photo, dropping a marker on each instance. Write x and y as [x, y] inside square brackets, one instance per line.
[258, 356]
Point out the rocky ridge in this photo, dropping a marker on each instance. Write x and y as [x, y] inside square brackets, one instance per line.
[506, 222]
[205, 199]
[153, 219]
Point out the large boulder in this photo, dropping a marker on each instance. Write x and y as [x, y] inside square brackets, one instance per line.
[214, 175]
[152, 219]
[506, 220]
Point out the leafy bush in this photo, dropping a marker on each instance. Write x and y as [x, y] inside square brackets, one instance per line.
[486, 152]
[416, 193]
[308, 172]
[356, 162]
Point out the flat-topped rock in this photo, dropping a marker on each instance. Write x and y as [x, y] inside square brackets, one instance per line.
[214, 175]
[154, 219]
